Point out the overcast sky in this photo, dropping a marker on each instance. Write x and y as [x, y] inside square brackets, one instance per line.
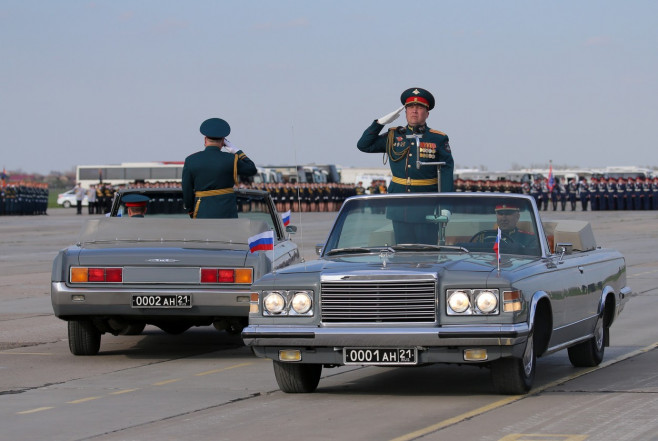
[516, 82]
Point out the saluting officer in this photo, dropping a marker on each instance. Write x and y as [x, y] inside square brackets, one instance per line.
[209, 175]
[400, 149]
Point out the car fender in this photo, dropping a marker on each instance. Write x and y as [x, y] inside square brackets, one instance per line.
[542, 336]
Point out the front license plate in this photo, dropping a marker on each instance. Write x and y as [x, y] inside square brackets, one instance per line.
[380, 356]
[161, 301]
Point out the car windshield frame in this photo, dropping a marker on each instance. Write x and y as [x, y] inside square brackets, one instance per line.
[454, 222]
[167, 203]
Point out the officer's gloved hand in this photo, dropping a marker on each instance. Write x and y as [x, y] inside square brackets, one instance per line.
[387, 119]
[229, 147]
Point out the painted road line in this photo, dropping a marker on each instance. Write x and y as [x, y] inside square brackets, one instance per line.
[162, 383]
[25, 353]
[123, 391]
[215, 371]
[505, 401]
[83, 400]
[38, 409]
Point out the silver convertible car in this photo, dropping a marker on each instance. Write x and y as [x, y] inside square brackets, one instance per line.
[166, 269]
[463, 278]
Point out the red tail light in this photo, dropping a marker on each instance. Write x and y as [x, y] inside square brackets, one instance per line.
[227, 275]
[96, 275]
[208, 275]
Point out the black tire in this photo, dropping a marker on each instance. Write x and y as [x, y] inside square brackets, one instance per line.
[295, 378]
[514, 376]
[235, 327]
[174, 328]
[84, 337]
[66, 204]
[589, 353]
[133, 329]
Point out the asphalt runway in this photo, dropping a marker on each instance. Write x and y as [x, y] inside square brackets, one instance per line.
[204, 384]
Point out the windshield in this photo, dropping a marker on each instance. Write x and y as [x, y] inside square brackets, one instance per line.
[169, 204]
[469, 222]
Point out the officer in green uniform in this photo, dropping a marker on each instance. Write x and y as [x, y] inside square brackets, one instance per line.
[209, 175]
[401, 147]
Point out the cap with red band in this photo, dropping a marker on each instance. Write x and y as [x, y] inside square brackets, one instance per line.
[416, 95]
[135, 200]
[506, 207]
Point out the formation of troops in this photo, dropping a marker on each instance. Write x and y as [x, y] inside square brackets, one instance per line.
[24, 198]
[595, 194]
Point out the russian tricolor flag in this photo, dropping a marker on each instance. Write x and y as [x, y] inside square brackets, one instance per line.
[497, 248]
[262, 242]
[286, 218]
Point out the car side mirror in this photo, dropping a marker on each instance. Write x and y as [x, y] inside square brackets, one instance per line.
[563, 248]
[318, 248]
[291, 229]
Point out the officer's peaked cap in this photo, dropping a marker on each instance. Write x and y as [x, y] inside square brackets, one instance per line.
[215, 128]
[416, 95]
[135, 200]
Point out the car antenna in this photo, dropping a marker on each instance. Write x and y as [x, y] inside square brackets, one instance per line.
[299, 204]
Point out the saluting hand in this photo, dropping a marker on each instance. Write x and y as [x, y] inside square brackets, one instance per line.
[386, 119]
[229, 147]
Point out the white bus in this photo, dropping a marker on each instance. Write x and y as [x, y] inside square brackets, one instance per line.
[129, 173]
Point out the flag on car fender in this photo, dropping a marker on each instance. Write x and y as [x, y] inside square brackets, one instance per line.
[286, 218]
[497, 248]
[262, 242]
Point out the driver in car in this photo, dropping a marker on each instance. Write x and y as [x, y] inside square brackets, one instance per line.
[507, 218]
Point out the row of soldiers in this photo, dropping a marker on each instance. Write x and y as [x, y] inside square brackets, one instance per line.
[599, 193]
[617, 194]
[307, 197]
[24, 198]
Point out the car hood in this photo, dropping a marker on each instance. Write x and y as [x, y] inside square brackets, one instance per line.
[410, 261]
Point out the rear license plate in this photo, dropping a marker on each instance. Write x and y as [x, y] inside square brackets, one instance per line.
[161, 301]
[380, 356]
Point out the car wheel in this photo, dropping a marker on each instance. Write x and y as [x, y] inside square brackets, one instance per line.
[174, 328]
[294, 378]
[66, 204]
[514, 376]
[84, 337]
[589, 353]
[133, 329]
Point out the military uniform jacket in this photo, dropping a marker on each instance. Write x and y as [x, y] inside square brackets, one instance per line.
[212, 170]
[399, 146]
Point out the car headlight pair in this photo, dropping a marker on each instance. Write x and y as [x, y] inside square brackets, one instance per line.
[288, 303]
[472, 301]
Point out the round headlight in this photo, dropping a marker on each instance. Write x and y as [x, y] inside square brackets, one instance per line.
[458, 301]
[486, 302]
[274, 303]
[301, 302]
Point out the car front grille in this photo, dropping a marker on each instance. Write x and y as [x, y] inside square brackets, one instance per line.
[376, 301]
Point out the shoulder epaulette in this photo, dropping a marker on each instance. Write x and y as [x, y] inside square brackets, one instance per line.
[437, 132]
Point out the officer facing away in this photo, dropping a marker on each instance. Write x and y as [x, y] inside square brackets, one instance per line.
[209, 175]
[400, 149]
[135, 204]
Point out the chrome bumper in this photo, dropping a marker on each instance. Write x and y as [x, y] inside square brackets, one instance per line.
[117, 302]
[481, 335]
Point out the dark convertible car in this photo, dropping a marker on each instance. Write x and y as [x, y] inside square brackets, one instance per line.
[462, 278]
[166, 269]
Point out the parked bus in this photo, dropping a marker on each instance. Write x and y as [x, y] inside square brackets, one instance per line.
[129, 173]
